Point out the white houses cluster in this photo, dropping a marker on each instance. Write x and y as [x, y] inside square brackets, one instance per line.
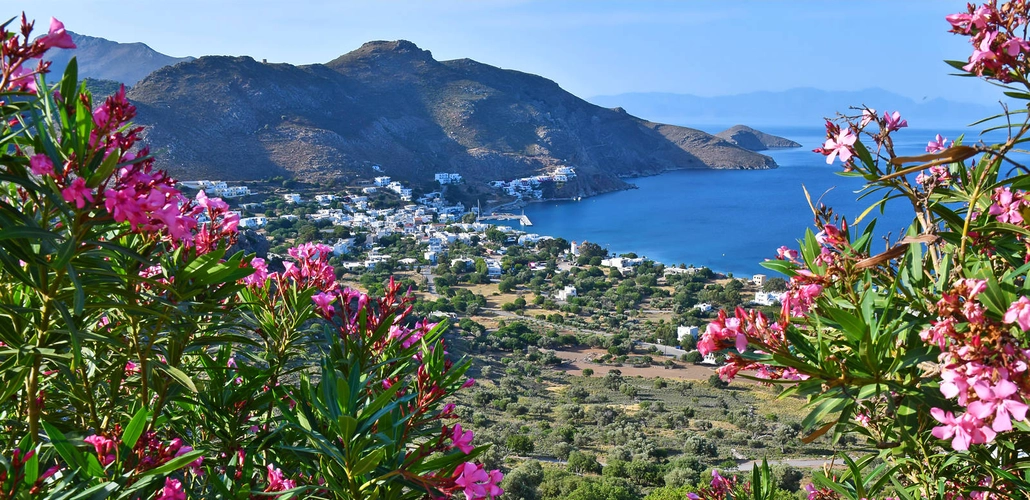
[446, 178]
[219, 189]
[530, 186]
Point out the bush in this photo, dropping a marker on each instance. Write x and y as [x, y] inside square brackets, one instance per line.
[141, 359]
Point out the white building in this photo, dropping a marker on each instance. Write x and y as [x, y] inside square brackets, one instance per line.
[574, 248]
[683, 332]
[292, 198]
[758, 279]
[493, 268]
[343, 246]
[368, 190]
[703, 307]
[443, 178]
[566, 293]
[231, 191]
[326, 199]
[253, 222]
[766, 298]
[382, 181]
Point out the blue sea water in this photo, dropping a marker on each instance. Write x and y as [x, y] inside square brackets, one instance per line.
[727, 220]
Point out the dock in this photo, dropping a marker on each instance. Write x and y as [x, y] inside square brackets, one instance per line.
[523, 219]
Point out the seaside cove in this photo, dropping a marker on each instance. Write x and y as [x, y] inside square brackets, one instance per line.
[727, 220]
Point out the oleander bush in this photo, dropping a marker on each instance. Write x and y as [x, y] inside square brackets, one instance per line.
[140, 358]
[920, 350]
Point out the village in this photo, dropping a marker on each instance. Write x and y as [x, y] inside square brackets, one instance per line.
[381, 227]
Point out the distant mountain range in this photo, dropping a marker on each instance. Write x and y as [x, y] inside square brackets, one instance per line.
[102, 59]
[392, 104]
[794, 107]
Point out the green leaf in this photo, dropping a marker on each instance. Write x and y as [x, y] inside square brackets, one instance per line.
[179, 377]
[64, 448]
[135, 428]
[175, 463]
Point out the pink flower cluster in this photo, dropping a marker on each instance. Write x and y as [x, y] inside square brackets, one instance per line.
[838, 143]
[172, 490]
[217, 224]
[473, 480]
[276, 481]
[997, 38]
[983, 366]
[311, 268]
[937, 145]
[1008, 206]
[460, 439]
[104, 446]
[738, 331]
[18, 52]
[719, 488]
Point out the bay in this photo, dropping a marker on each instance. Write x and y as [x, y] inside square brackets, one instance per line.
[727, 220]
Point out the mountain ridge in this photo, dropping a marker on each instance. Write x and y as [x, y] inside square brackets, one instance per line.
[391, 103]
[103, 59]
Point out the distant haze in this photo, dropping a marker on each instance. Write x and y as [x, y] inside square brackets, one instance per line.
[795, 107]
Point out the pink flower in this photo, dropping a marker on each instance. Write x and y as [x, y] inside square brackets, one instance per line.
[324, 302]
[966, 429]
[1013, 46]
[937, 145]
[842, 146]
[41, 165]
[131, 368]
[785, 253]
[477, 483]
[276, 482]
[1007, 206]
[104, 448]
[78, 193]
[260, 273]
[462, 440]
[468, 383]
[1019, 313]
[995, 400]
[57, 37]
[894, 121]
[172, 490]
[982, 52]
[24, 79]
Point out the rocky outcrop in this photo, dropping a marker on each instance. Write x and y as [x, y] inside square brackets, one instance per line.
[754, 140]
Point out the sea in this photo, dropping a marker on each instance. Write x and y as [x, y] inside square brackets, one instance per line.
[729, 220]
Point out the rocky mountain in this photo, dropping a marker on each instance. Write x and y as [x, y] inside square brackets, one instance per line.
[798, 107]
[392, 104]
[103, 59]
[755, 140]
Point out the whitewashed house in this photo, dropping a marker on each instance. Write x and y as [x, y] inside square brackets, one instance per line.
[382, 181]
[683, 332]
[253, 222]
[566, 293]
[758, 279]
[292, 198]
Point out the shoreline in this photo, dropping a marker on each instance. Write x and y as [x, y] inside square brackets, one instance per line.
[516, 204]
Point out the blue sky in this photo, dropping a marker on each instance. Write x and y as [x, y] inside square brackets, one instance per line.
[590, 47]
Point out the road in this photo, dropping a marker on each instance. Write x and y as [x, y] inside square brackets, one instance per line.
[427, 273]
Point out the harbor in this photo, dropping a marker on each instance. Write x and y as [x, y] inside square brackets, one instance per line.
[523, 219]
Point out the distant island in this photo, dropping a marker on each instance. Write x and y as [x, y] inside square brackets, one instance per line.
[755, 140]
[793, 107]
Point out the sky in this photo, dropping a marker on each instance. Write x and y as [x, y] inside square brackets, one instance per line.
[590, 47]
